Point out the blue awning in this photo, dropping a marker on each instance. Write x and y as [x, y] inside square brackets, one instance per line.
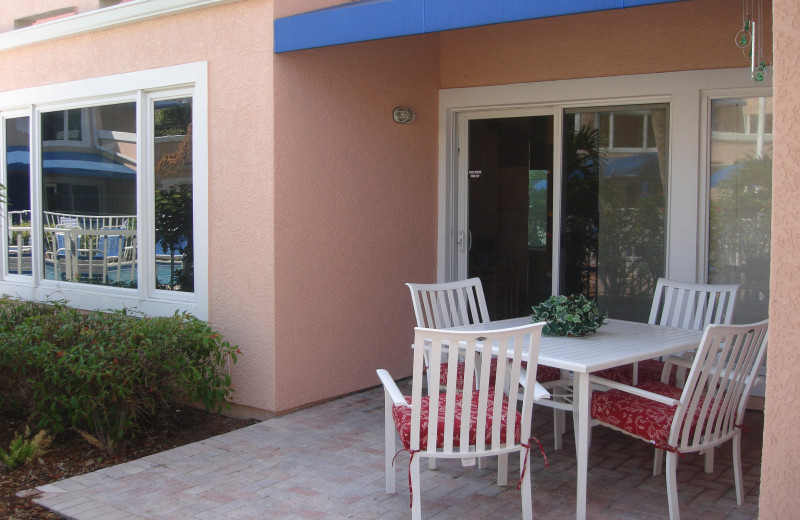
[364, 20]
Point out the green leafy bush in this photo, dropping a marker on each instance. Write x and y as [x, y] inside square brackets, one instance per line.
[573, 315]
[106, 374]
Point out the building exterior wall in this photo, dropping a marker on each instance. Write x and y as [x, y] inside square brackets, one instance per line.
[321, 207]
[779, 497]
[236, 42]
[355, 212]
[687, 36]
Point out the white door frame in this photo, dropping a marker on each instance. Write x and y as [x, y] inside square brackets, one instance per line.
[685, 238]
[459, 184]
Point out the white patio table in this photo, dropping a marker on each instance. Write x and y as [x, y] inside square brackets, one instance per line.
[616, 343]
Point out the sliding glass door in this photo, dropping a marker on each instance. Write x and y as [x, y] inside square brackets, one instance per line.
[603, 170]
[510, 201]
[615, 164]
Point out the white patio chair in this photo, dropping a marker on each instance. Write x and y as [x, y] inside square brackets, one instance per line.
[707, 412]
[455, 304]
[481, 423]
[682, 305]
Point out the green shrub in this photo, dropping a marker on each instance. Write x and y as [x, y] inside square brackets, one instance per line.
[106, 374]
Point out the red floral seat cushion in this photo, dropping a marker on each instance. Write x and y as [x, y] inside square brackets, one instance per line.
[641, 417]
[544, 374]
[402, 421]
[649, 370]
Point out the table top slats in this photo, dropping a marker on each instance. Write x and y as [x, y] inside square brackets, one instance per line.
[616, 343]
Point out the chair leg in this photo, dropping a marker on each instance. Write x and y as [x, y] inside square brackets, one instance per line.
[525, 488]
[672, 486]
[559, 425]
[709, 461]
[502, 470]
[658, 461]
[389, 443]
[737, 466]
[416, 500]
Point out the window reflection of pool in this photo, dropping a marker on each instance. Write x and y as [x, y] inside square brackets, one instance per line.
[114, 275]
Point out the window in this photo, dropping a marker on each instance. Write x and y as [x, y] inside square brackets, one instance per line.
[173, 194]
[740, 201]
[18, 209]
[89, 197]
[105, 213]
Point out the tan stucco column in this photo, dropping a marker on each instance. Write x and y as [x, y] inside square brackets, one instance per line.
[780, 486]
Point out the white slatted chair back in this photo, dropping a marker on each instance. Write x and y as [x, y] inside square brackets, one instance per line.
[456, 424]
[686, 305]
[724, 370]
[449, 304]
[448, 347]
[707, 412]
[459, 303]
[692, 306]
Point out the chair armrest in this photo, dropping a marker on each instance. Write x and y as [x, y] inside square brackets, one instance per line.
[633, 390]
[391, 389]
[539, 391]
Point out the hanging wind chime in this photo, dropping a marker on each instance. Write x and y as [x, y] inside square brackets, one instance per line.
[750, 40]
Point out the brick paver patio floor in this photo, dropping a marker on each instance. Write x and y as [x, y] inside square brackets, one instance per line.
[326, 462]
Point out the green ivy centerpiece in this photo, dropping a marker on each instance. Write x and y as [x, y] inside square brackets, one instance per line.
[573, 315]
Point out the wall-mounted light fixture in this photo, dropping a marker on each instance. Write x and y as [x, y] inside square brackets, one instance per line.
[402, 115]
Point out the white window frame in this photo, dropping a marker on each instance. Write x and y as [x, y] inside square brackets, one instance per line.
[686, 238]
[142, 87]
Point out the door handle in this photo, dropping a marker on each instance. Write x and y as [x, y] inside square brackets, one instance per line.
[464, 245]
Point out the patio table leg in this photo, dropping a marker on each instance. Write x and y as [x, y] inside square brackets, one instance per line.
[582, 398]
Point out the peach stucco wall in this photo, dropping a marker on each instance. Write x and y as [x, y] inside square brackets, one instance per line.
[236, 41]
[355, 212]
[780, 490]
[660, 38]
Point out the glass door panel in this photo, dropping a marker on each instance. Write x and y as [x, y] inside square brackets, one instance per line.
[615, 164]
[510, 201]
